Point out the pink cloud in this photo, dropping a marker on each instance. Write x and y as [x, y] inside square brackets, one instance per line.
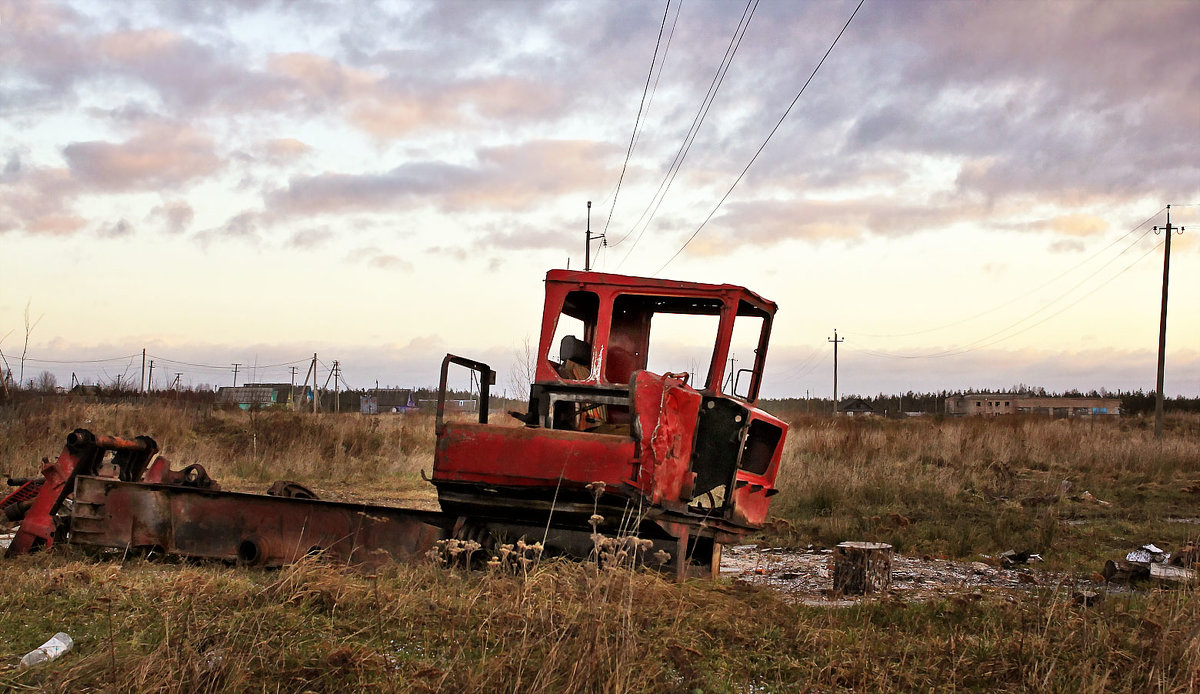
[162, 155]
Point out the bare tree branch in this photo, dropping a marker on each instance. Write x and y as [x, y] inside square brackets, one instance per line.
[28, 331]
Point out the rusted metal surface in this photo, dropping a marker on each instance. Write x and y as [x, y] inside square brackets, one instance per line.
[665, 413]
[525, 457]
[14, 506]
[252, 529]
[487, 378]
[193, 475]
[291, 490]
[697, 463]
[83, 454]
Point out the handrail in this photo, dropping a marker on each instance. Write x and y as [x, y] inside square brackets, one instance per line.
[487, 378]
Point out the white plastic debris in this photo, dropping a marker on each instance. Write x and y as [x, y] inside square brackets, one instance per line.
[1148, 554]
[57, 645]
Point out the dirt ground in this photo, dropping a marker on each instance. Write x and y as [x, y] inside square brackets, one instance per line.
[805, 576]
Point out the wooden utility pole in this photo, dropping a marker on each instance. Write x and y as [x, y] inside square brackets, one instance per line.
[337, 393]
[150, 377]
[835, 340]
[313, 370]
[143, 383]
[1162, 324]
[235, 372]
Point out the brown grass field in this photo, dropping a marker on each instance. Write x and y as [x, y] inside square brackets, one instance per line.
[953, 488]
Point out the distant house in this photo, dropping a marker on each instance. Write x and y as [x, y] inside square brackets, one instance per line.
[263, 395]
[993, 404]
[384, 400]
[855, 407]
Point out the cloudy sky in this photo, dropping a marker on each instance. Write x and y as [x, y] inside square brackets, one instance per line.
[965, 190]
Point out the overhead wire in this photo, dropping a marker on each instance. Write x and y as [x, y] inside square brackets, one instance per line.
[661, 63]
[766, 141]
[987, 340]
[653, 90]
[685, 146]
[638, 120]
[77, 361]
[1017, 298]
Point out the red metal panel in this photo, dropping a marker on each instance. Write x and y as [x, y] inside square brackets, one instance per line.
[666, 411]
[752, 493]
[523, 457]
[82, 453]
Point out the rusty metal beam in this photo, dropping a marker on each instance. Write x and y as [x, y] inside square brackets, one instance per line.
[251, 529]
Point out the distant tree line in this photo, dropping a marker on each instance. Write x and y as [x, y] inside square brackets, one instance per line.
[1133, 403]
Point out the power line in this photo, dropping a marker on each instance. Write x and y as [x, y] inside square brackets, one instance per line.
[1055, 300]
[685, 146]
[1013, 300]
[222, 367]
[764, 144]
[638, 120]
[981, 343]
[81, 361]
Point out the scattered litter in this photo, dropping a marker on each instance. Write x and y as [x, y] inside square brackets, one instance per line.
[1011, 558]
[1147, 554]
[1174, 574]
[1151, 561]
[1088, 497]
[57, 645]
[6, 540]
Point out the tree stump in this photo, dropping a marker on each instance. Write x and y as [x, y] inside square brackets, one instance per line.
[862, 567]
[1122, 571]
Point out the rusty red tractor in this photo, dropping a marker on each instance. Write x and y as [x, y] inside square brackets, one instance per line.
[682, 459]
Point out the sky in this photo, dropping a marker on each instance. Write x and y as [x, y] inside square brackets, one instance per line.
[965, 191]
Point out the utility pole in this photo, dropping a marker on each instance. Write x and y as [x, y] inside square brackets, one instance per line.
[143, 383]
[175, 384]
[730, 381]
[1162, 324]
[337, 393]
[235, 370]
[313, 370]
[150, 378]
[835, 340]
[588, 238]
[292, 390]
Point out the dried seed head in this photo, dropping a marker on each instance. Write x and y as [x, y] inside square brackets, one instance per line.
[595, 520]
[662, 556]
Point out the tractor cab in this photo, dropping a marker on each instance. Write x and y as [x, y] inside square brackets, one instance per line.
[646, 385]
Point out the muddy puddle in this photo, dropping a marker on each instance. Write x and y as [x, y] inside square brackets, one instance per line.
[805, 575]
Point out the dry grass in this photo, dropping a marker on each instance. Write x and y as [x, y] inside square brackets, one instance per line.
[561, 628]
[962, 486]
[240, 449]
[954, 487]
